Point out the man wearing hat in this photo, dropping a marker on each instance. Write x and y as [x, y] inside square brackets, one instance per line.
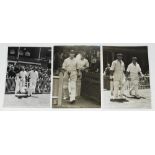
[70, 70]
[33, 75]
[22, 76]
[117, 71]
[82, 65]
[134, 71]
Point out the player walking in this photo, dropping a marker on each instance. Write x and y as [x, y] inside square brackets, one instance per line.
[33, 76]
[117, 71]
[82, 65]
[70, 71]
[134, 72]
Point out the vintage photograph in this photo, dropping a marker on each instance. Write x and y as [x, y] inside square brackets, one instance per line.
[126, 77]
[76, 80]
[28, 77]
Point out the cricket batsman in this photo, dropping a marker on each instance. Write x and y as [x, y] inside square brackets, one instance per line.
[134, 73]
[33, 75]
[117, 72]
[22, 75]
[83, 66]
[70, 71]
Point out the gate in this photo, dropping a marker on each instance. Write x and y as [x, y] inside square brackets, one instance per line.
[57, 89]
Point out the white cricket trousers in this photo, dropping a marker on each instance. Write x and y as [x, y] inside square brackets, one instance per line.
[32, 86]
[134, 86]
[118, 84]
[69, 85]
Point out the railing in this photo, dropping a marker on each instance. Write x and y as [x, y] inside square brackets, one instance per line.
[144, 83]
[90, 86]
[43, 86]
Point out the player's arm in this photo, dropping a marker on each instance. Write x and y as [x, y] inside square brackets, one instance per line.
[112, 68]
[26, 74]
[37, 76]
[64, 66]
[77, 67]
[124, 68]
[15, 77]
[128, 72]
[104, 73]
[140, 71]
[20, 75]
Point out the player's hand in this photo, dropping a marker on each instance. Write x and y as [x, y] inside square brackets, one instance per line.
[63, 71]
[83, 68]
[78, 75]
[127, 78]
[111, 77]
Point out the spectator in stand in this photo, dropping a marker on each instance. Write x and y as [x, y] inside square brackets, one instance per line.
[17, 68]
[107, 70]
[11, 72]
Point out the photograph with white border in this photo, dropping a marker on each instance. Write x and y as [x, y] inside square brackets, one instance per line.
[126, 77]
[28, 76]
[76, 76]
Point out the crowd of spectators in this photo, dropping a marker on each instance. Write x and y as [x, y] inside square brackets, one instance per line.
[13, 69]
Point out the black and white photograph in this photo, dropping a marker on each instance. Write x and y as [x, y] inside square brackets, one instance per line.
[126, 77]
[28, 77]
[76, 77]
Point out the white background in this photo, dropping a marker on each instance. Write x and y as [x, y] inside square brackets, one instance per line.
[77, 132]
